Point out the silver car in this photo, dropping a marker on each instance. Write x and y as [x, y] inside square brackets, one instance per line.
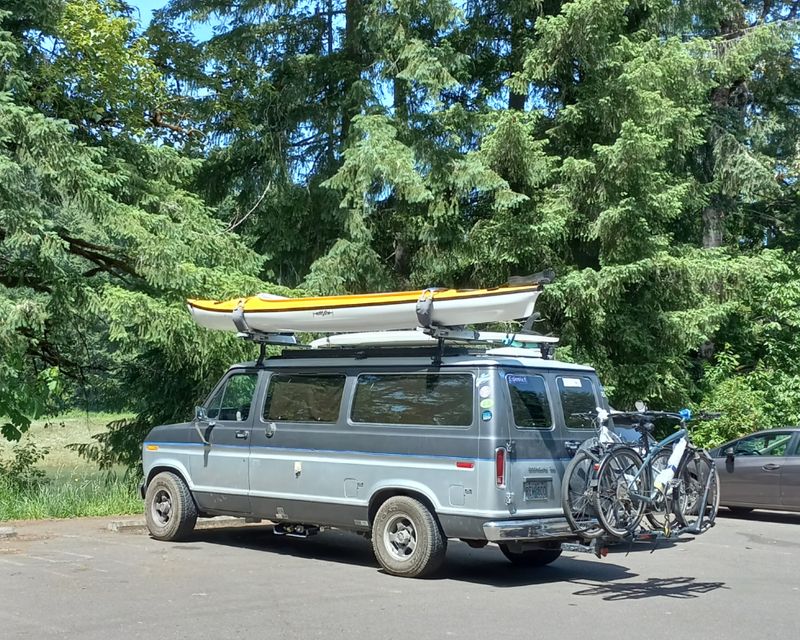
[760, 471]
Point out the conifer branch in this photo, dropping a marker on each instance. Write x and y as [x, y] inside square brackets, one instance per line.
[97, 254]
[235, 224]
[157, 120]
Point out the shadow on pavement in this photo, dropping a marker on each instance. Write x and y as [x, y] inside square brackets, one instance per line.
[332, 546]
[482, 566]
[681, 588]
[624, 548]
[780, 517]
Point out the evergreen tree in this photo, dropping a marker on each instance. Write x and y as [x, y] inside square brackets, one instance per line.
[648, 152]
[100, 240]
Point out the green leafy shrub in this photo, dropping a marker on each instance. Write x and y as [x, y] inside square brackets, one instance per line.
[21, 473]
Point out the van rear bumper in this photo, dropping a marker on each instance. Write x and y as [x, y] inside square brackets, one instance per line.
[533, 529]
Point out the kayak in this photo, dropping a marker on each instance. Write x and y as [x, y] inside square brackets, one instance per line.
[367, 312]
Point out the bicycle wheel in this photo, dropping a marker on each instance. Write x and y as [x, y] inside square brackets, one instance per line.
[619, 508]
[699, 478]
[577, 496]
[663, 514]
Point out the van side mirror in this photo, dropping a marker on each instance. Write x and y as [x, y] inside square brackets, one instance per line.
[200, 416]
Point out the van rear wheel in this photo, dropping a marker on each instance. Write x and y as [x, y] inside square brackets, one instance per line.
[169, 508]
[532, 558]
[406, 538]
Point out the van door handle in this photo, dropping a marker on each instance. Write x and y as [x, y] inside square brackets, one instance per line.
[771, 466]
[270, 430]
[241, 435]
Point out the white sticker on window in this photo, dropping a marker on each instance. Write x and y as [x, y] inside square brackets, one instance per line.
[572, 382]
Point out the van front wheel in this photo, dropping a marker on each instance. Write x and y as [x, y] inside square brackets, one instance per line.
[169, 508]
[406, 538]
[532, 558]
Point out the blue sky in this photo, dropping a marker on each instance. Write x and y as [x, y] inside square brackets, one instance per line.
[146, 8]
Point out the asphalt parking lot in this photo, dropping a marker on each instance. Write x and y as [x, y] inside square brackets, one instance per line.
[76, 579]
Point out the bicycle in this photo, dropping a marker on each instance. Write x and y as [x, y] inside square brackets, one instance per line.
[683, 494]
[577, 487]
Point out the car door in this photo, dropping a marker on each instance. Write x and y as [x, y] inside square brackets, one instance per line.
[790, 477]
[219, 470]
[294, 436]
[752, 475]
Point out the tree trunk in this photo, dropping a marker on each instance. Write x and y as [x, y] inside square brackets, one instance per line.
[516, 101]
[713, 227]
[722, 100]
[400, 101]
[353, 54]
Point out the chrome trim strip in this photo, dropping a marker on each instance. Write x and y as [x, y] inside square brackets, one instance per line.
[534, 529]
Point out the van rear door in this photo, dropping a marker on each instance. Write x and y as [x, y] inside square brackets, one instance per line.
[537, 450]
[576, 392]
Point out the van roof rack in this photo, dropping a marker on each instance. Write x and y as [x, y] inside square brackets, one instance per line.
[431, 337]
[528, 344]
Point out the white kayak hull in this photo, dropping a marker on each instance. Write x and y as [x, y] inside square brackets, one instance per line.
[338, 319]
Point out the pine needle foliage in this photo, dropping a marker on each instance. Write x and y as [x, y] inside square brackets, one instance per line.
[646, 151]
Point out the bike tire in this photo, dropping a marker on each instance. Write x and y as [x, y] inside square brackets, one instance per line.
[697, 470]
[618, 510]
[577, 496]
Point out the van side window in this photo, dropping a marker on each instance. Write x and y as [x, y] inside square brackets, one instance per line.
[577, 396]
[232, 401]
[430, 399]
[302, 397]
[529, 401]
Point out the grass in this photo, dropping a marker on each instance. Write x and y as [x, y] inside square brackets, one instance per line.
[95, 494]
[56, 433]
[72, 487]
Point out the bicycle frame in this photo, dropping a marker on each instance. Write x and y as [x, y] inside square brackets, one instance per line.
[652, 452]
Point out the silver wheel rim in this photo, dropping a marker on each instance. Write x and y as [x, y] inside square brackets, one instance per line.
[161, 507]
[400, 537]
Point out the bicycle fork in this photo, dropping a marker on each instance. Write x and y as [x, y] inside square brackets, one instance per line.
[696, 528]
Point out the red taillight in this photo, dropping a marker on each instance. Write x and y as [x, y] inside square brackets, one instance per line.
[500, 466]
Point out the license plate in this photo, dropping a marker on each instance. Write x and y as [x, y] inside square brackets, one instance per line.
[534, 490]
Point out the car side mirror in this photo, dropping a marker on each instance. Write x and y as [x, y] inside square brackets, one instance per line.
[729, 453]
[200, 416]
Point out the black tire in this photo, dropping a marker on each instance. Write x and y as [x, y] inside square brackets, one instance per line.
[664, 514]
[618, 508]
[532, 558]
[169, 508]
[577, 496]
[406, 538]
[697, 471]
[740, 510]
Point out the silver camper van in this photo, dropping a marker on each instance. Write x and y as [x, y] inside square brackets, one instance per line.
[407, 445]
